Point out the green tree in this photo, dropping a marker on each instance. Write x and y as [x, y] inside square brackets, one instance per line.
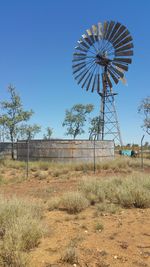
[28, 132]
[49, 132]
[95, 127]
[144, 109]
[13, 114]
[75, 119]
[3, 130]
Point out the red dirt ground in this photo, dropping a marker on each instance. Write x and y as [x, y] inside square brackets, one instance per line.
[123, 241]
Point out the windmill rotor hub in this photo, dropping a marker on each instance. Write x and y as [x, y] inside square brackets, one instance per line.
[102, 59]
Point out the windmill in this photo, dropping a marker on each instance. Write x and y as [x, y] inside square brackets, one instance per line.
[100, 59]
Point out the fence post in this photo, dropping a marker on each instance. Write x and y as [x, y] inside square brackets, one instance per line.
[142, 163]
[17, 148]
[27, 166]
[94, 156]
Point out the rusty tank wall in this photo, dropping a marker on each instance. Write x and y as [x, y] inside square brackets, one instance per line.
[65, 150]
[5, 149]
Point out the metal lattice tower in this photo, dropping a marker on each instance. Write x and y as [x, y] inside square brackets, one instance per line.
[109, 125]
[109, 128]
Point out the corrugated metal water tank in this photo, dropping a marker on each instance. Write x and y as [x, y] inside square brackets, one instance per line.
[66, 150]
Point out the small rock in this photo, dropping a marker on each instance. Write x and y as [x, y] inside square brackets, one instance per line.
[115, 257]
[102, 252]
[124, 245]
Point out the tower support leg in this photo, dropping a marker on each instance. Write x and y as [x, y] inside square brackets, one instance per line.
[109, 128]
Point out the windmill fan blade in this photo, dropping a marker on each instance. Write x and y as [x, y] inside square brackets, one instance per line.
[90, 35]
[79, 74]
[118, 33]
[89, 82]
[125, 41]
[113, 76]
[84, 71]
[111, 25]
[85, 81]
[81, 49]
[120, 69]
[100, 30]
[87, 39]
[106, 26]
[79, 54]
[82, 43]
[78, 59]
[82, 76]
[95, 32]
[75, 71]
[94, 29]
[121, 37]
[116, 27]
[116, 71]
[123, 80]
[126, 47]
[124, 53]
[123, 67]
[125, 60]
[79, 64]
[94, 82]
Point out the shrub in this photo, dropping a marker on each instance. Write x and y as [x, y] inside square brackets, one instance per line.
[74, 202]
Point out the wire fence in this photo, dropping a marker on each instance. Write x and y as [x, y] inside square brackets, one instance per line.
[65, 151]
[35, 151]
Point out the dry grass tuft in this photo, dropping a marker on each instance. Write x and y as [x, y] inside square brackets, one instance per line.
[74, 202]
[99, 227]
[12, 163]
[92, 190]
[130, 192]
[70, 255]
[53, 203]
[106, 207]
[21, 230]
[40, 175]
[2, 180]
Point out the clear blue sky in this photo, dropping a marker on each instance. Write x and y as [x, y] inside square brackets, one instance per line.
[37, 39]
